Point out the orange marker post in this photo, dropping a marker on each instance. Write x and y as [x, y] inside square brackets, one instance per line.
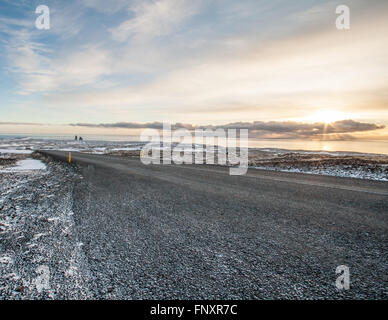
[69, 157]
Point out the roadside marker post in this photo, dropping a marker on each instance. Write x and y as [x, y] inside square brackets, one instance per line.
[69, 157]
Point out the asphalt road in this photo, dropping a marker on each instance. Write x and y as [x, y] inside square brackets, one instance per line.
[179, 232]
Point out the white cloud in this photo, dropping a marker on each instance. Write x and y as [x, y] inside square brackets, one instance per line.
[4, 22]
[320, 70]
[318, 14]
[83, 67]
[38, 68]
[66, 21]
[107, 7]
[197, 70]
[155, 18]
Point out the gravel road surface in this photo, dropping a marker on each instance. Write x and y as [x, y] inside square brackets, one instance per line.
[180, 232]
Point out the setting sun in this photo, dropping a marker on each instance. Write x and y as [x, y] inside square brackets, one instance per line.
[327, 116]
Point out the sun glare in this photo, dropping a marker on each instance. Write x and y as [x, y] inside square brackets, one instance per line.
[327, 116]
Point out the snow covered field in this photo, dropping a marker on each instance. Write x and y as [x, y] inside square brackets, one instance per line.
[344, 164]
[28, 145]
[340, 164]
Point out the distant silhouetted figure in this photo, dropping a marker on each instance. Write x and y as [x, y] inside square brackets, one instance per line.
[76, 138]
[80, 139]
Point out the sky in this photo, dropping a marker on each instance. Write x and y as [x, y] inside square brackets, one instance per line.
[280, 68]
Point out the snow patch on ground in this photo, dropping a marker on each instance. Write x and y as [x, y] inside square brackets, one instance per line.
[126, 149]
[16, 151]
[5, 259]
[26, 165]
[343, 172]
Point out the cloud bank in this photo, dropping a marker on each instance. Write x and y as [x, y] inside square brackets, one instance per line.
[274, 129]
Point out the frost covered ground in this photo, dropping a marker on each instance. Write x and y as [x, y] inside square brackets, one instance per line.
[28, 145]
[40, 256]
[343, 164]
[25, 165]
